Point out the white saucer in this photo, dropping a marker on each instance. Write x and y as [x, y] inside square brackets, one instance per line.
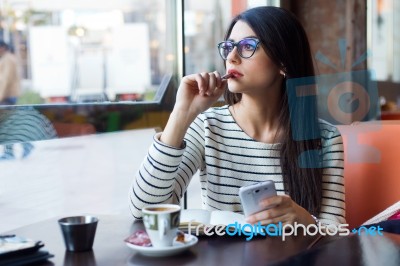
[177, 247]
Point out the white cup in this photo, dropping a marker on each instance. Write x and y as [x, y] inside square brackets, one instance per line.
[161, 222]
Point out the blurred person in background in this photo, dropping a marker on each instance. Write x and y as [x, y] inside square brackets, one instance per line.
[22, 125]
[9, 77]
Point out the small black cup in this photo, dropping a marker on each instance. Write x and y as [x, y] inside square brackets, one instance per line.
[78, 232]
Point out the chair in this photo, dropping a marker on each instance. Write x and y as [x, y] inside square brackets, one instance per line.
[71, 129]
[372, 168]
[390, 115]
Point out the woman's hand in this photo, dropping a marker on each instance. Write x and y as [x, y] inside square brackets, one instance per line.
[285, 210]
[197, 92]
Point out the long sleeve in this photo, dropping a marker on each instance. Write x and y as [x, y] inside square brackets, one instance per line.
[24, 125]
[333, 190]
[166, 171]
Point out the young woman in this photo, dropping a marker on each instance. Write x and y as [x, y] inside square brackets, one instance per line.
[255, 137]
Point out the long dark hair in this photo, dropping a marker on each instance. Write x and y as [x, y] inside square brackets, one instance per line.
[285, 42]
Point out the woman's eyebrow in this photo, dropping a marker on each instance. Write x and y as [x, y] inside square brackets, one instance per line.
[247, 37]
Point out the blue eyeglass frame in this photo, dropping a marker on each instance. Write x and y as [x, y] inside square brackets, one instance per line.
[236, 44]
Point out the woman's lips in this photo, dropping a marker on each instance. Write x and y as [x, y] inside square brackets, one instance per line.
[227, 76]
[235, 74]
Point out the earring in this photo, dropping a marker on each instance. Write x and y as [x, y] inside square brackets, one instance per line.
[283, 73]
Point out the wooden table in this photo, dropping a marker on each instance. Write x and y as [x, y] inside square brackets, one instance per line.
[110, 249]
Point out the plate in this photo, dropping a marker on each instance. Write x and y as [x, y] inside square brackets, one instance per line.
[177, 247]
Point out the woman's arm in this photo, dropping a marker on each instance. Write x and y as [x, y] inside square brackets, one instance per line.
[333, 192]
[196, 94]
[171, 162]
[166, 171]
[333, 204]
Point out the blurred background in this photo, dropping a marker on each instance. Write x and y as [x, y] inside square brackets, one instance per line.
[115, 65]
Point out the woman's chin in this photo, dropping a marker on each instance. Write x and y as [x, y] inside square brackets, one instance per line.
[234, 90]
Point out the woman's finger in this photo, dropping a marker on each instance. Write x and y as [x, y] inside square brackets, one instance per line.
[205, 86]
[212, 84]
[219, 81]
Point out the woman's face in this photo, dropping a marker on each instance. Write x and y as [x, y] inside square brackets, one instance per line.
[256, 75]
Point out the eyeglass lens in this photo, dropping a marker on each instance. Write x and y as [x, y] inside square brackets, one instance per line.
[246, 48]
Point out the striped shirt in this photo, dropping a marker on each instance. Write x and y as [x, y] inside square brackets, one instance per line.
[24, 124]
[228, 159]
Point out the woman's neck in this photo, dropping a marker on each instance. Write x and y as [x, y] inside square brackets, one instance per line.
[258, 118]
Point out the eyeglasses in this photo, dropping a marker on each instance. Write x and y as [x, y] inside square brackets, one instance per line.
[246, 47]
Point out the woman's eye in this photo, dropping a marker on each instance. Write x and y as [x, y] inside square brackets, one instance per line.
[248, 47]
[227, 48]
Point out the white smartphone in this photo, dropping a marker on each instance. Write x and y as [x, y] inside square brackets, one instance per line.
[250, 196]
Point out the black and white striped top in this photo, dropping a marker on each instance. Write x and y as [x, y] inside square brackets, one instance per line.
[24, 124]
[229, 159]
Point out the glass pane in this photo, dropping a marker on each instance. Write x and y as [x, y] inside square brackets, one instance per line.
[205, 25]
[90, 51]
[384, 39]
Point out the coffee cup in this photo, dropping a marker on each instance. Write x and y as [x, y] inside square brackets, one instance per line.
[161, 222]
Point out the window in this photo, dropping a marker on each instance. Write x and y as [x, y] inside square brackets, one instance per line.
[204, 27]
[384, 39]
[90, 51]
[112, 65]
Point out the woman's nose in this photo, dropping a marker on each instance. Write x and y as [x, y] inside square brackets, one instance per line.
[233, 56]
